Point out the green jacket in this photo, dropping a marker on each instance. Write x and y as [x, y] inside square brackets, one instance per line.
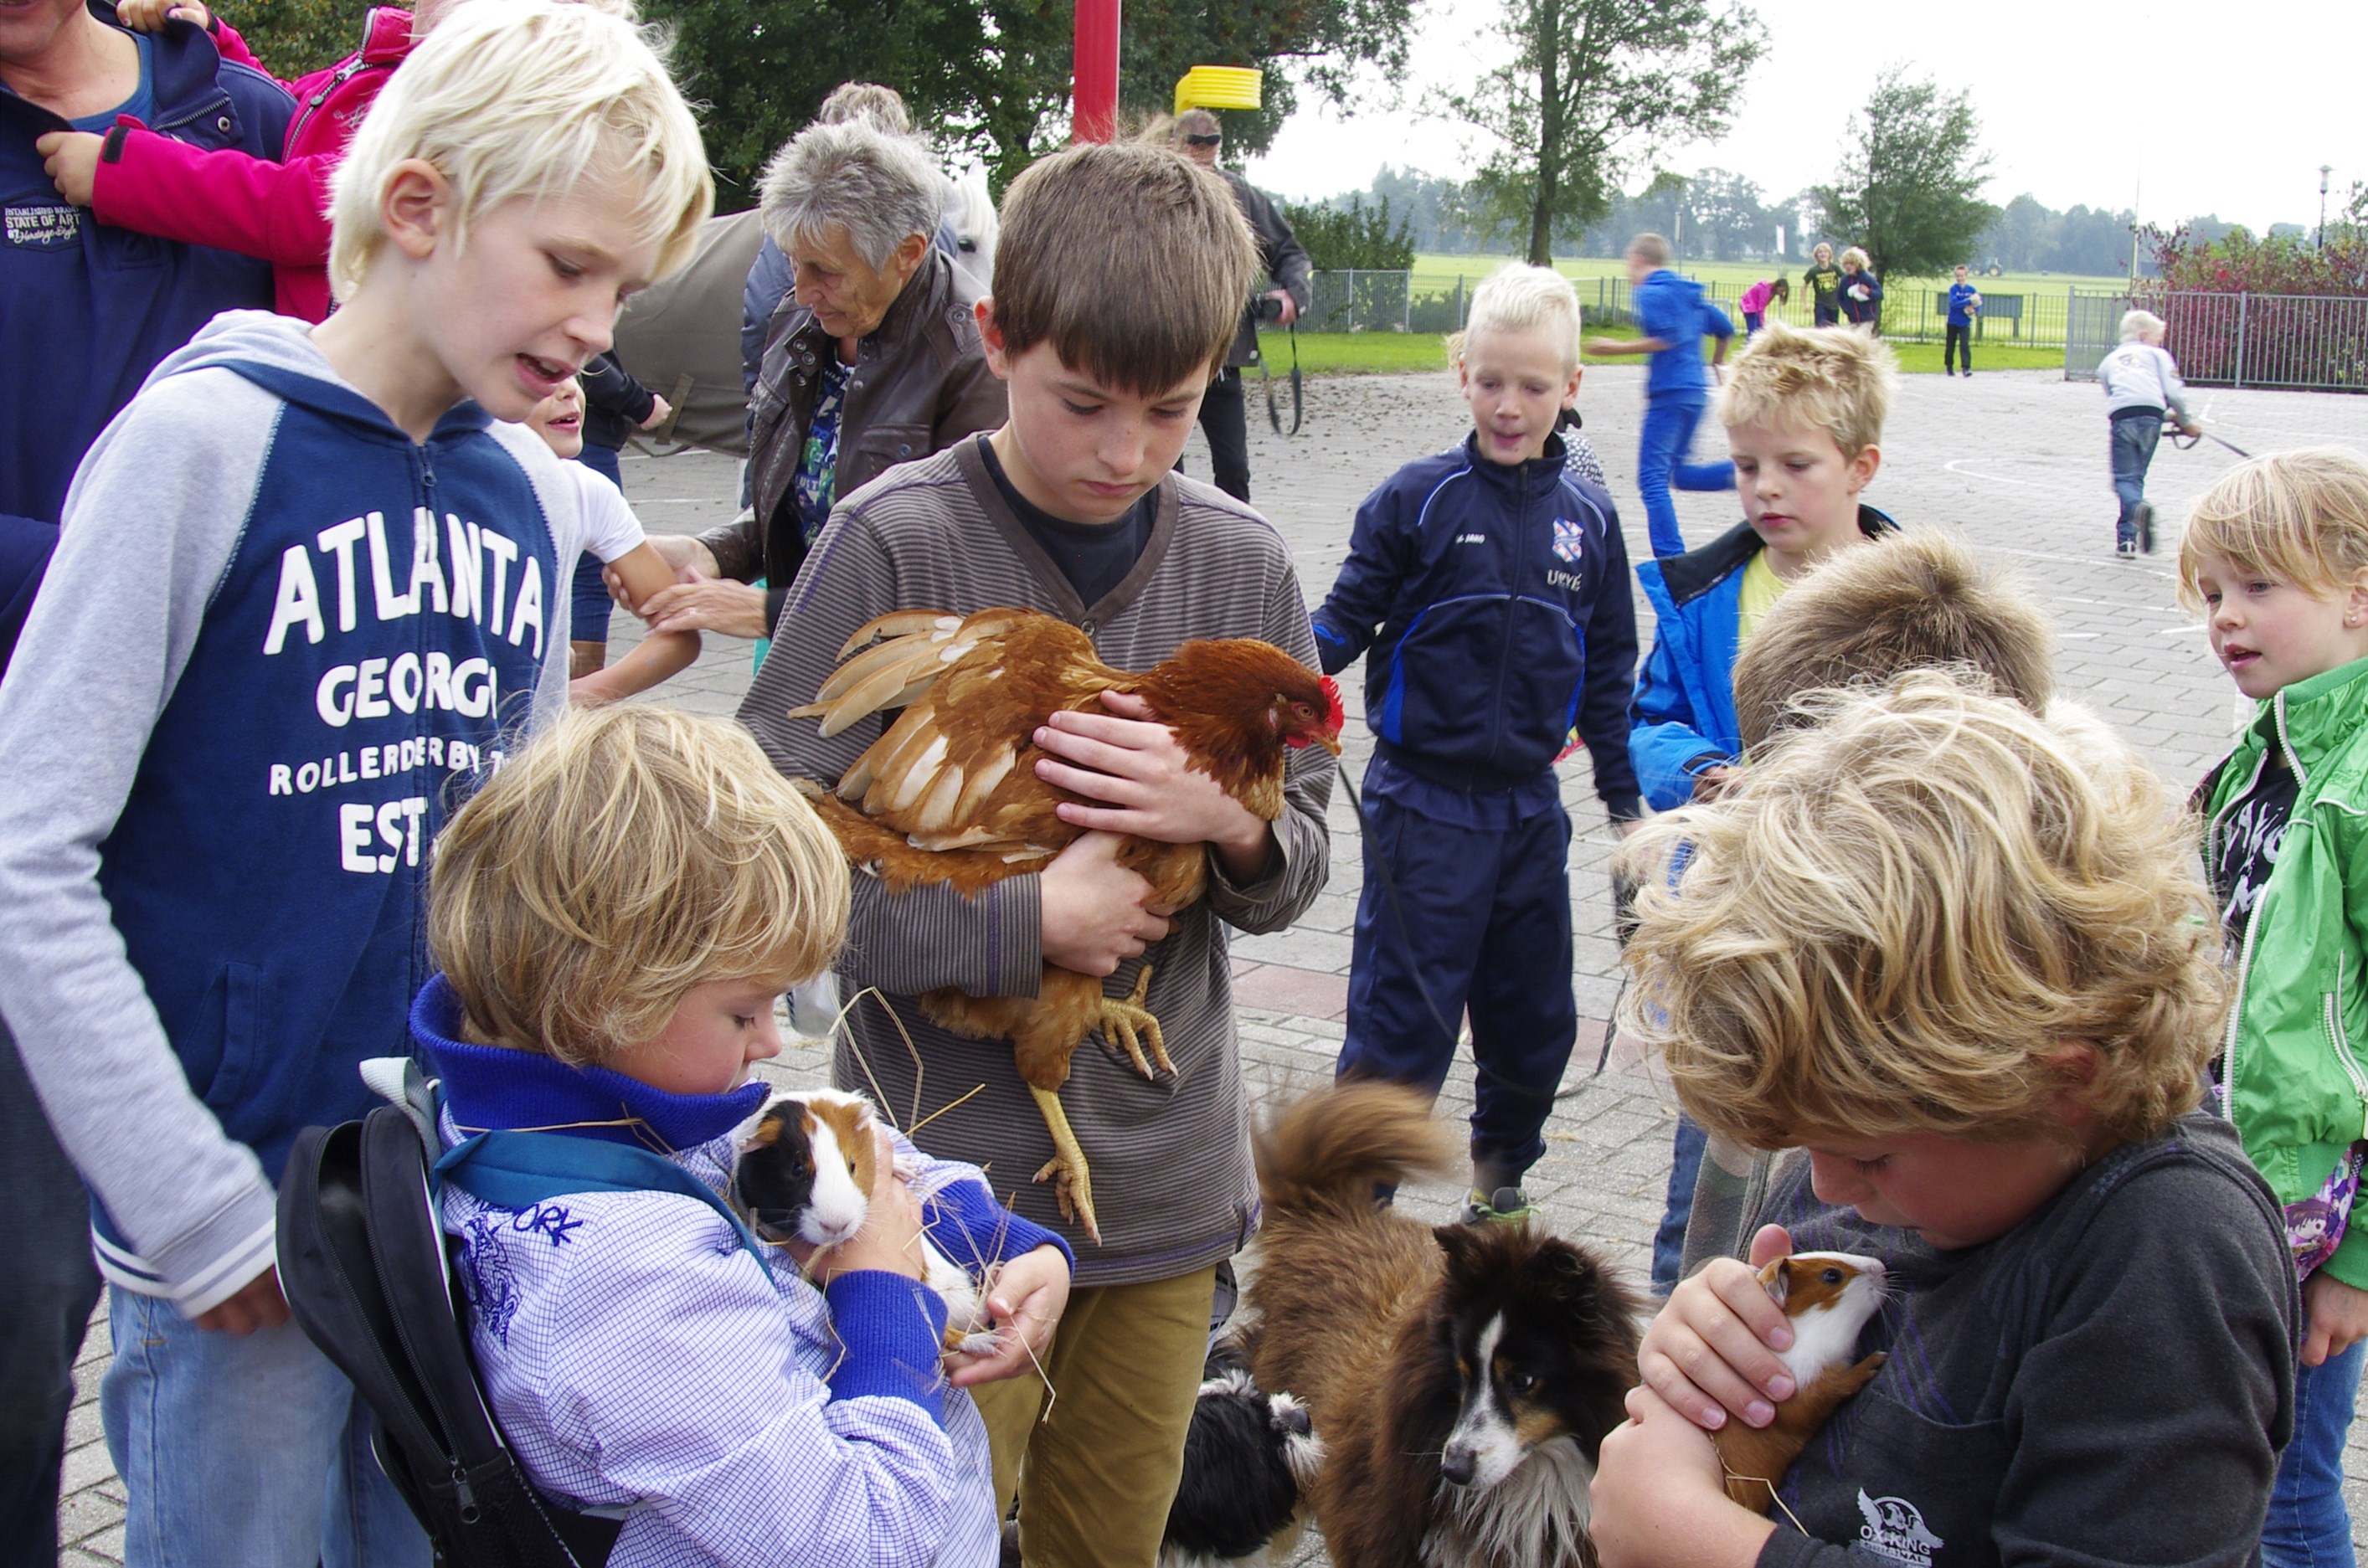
[2296, 1071]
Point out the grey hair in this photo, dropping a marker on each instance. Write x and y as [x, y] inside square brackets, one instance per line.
[880, 108]
[877, 188]
[2136, 324]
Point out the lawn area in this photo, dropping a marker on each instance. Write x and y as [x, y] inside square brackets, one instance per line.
[1390, 353]
[1433, 271]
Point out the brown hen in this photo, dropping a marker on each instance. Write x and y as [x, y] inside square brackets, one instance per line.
[949, 794]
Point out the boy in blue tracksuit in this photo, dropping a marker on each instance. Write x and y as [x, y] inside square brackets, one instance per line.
[307, 588]
[1674, 317]
[1965, 304]
[1491, 586]
[1804, 413]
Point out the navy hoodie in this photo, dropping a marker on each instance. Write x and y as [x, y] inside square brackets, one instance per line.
[277, 646]
[86, 309]
[1495, 600]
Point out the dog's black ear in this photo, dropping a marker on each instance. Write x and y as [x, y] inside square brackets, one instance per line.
[1460, 1242]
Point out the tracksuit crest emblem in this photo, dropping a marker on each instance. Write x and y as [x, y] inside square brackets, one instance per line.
[1569, 540]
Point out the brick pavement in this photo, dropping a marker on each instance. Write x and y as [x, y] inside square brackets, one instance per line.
[2014, 461]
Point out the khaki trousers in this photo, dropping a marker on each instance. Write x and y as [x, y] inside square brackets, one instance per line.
[1095, 1473]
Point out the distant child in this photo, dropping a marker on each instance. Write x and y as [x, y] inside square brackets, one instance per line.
[1757, 298]
[222, 768]
[615, 913]
[1804, 413]
[1824, 281]
[1861, 619]
[1488, 631]
[2276, 557]
[1118, 279]
[1952, 958]
[565, 422]
[1862, 292]
[1675, 316]
[1964, 303]
[2142, 387]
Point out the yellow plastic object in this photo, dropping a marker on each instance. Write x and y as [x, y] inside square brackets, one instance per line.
[1218, 87]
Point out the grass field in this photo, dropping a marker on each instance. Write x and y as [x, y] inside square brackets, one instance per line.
[1434, 272]
[1391, 352]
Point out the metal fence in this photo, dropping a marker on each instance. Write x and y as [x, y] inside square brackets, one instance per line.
[1359, 301]
[2314, 342]
[1442, 302]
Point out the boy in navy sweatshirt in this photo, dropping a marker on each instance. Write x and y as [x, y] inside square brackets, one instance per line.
[1491, 585]
[305, 589]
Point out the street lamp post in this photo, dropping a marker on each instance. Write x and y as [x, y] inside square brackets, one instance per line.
[2324, 170]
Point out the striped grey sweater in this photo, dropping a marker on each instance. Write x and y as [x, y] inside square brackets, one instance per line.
[1172, 1179]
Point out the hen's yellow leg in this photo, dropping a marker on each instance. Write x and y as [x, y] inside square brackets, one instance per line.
[1074, 1186]
[1128, 1024]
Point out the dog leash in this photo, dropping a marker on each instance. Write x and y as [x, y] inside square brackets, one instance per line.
[1266, 379]
[1454, 1035]
[2186, 442]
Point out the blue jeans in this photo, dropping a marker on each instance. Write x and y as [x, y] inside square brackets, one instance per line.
[247, 1451]
[44, 1306]
[1661, 460]
[2308, 1526]
[1670, 1241]
[2134, 444]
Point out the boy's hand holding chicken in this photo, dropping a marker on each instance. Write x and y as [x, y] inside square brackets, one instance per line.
[1134, 762]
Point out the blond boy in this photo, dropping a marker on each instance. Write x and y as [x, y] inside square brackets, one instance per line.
[615, 913]
[1950, 955]
[306, 592]
[2276, 557]
[1804, 413]
[1466, 900]
[1118, 275]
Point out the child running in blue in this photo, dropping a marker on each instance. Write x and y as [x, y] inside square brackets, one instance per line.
[1673, 316]
[1490, 586]
[615, 915]
[2276, 556]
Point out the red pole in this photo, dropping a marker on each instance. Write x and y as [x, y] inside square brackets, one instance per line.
[1094, 108]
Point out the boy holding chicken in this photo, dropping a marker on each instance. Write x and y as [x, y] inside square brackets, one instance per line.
[1489, 587]
[1119, 280]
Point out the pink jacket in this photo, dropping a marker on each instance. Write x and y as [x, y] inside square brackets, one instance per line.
[278, 211]
[1753, 303]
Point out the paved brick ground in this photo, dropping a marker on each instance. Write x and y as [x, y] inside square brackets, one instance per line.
[2014, 461]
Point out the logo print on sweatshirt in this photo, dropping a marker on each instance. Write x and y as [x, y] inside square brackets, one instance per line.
[1894, 1528]
[47, 226]
[1569, 540]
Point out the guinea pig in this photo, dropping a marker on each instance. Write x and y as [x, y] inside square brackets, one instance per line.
[1827, 1297]
[805, 1170]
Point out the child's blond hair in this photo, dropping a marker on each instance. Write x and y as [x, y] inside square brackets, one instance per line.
[1517, 296]
[1854, 257]
[1864, 617]
[1904, 918]
[1133, 262]
[621, 858]
[526, 98]
[1825, 377]
[2301, 517]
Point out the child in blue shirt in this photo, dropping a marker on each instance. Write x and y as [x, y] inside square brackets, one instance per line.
[1964, 303]
[616, 913]
[1491, 586]
[1674, 316]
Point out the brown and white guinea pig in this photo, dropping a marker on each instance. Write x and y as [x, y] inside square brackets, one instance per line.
[805, 1171]
[1827, 1297]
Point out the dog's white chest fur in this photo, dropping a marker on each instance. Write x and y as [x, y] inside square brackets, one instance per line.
[1535, 1518]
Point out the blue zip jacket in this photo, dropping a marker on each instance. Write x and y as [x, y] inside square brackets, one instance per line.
[1961, 303]
[1675, 309]
[96, 307]
[1496, 605]
[1683, 717]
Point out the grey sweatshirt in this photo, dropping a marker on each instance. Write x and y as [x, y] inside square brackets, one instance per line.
[2142, 375]
[239, 710]
[1171, 1170]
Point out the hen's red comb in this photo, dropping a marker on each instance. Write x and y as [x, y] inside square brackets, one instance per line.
[1334, 716]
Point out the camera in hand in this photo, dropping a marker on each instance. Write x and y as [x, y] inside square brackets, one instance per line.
[1267, 307]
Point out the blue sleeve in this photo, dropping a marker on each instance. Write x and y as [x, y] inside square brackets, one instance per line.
[1368, 584]
[770, 277]
[1654, 317]
[1611, 670]
[611, 389]
[982, 1230]
[888, 1326]
[1664, 745]
[1873, 288]
[1715, 320]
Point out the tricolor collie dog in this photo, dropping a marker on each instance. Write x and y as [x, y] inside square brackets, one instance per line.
[1460, 1379]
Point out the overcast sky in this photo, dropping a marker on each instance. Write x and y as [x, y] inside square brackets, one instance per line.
[2184, 108]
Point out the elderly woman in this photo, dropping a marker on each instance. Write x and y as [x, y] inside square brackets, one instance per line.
[872, 360]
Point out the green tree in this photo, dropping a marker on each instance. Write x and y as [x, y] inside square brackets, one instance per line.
[294, 38]
[1595, 85]
[1909, 189]
[1319, 45]
[1336, 238]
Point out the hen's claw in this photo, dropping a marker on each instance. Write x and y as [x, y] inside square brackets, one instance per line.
[1075, 1186]
[1127, 1025]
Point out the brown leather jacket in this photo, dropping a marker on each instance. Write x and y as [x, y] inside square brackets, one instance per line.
[919, 383]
